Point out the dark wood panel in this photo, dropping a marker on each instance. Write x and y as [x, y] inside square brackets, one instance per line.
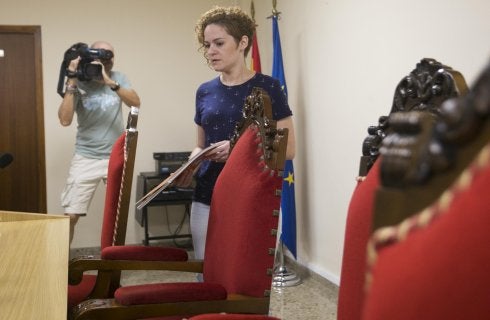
[23, 182]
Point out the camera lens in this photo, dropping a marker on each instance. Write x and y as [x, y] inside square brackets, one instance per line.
[92, 71]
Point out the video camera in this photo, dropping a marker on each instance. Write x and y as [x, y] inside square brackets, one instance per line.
[86, 71]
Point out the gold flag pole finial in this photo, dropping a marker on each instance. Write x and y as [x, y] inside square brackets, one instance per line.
[275, 13]
[252, 10]
[274, 7]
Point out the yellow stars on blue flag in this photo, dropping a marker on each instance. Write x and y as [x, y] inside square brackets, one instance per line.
[290, 178]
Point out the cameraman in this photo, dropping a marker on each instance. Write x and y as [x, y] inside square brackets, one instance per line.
[98, 105]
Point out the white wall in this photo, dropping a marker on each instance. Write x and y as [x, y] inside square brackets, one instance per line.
[343, 59]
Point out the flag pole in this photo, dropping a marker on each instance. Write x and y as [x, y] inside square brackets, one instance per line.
[255, 55]
[282, 275]
[252, 10]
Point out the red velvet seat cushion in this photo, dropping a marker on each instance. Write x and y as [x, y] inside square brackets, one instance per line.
[222, 316]
[114, 178]
[357, 232]
[439, 270]
[169, 292]
[241, 221]
[80, 292]
[144, 253]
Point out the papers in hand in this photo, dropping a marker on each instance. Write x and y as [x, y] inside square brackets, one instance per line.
[192, 162]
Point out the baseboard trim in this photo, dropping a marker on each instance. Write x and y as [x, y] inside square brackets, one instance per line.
[305, 271]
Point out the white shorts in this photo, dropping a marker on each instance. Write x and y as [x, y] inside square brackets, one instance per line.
[83, 179]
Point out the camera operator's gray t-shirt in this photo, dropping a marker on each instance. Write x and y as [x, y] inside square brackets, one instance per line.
[99, 117]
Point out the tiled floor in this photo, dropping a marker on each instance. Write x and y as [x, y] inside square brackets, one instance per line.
[313, 299]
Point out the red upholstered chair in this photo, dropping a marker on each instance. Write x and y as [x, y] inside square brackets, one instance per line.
[433, 264]
[358, 231]
[119, 180]
[423, 89]
[241, 237]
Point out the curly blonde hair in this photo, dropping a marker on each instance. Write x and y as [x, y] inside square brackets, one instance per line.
[233, 19]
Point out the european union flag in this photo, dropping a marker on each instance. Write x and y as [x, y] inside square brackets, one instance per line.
[288, 209]
[277, 66]
[288, 203]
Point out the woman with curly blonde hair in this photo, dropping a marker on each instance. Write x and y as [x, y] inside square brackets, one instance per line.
[225, 35]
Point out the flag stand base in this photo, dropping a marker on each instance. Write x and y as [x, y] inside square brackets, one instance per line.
[283, 277]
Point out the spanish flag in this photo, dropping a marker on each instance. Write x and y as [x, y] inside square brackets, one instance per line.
[255, 63]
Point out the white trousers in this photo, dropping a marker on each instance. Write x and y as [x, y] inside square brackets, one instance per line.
[199, 227]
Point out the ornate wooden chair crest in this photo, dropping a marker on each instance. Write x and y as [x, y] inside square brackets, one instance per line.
[429, 253]
[241, 239]
[419, 149]
[424, 89]
[257, 110]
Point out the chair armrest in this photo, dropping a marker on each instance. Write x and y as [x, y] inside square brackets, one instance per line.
[144, 253]
[78, 266]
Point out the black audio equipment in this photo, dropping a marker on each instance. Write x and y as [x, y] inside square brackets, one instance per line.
[150, 180]
[165, 164]
[171, 196]
[168, 162]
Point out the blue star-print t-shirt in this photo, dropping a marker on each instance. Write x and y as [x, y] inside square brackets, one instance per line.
[218, 109]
